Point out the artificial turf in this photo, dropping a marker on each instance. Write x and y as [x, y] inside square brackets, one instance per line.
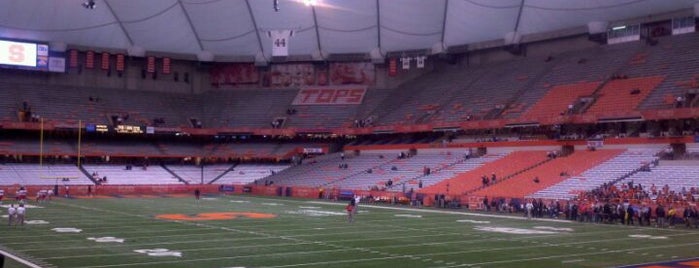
[214, 232]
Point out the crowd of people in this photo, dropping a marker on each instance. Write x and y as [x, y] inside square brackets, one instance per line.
[613, 211]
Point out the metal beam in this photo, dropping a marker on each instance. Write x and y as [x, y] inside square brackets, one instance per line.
[191, 26]
[121, 25]
[519, 15]
[254, 24]
[444, 20]
[378, 25]
[315, 24]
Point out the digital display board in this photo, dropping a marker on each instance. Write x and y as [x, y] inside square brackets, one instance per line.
[101, 128]
[122, 129]
[129, 129]
[24, 55]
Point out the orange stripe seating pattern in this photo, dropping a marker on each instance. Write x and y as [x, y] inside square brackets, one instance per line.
[558, 98]
[548, 173]
[502, 167]
[616, 98]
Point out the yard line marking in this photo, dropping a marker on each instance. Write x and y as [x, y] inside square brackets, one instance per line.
[18, 259]
[172, 243]
[575, 255]
[419, 229]
[213, 258]
[449, 212]
[340, 248]
[59, 235]
[409, 256]
[199, 249]
[399, 257]
[572, 261]
[489, 215]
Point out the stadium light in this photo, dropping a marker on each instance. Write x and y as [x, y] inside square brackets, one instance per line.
[90, 4]
[619, 28]
[310, 2]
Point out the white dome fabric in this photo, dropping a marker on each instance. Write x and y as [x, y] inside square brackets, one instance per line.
[237, 29]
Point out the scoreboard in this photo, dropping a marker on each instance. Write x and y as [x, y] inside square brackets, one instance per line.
[24, 55]
[121, 129]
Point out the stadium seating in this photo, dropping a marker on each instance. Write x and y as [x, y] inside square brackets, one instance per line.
[606, 172]
[621, 96]
[193, 174]
[415, 100]
[23, 146]
[225, 173]
[674, 58]
[447, 172]
[675, 174]
[33, 174]
[118, 175]
[509, 89]
[324, 170]
[502, 167]
[248, 173]
[405, 169]
[495, 86]
[549, 174]
[588, 65]
[115, 148]
[245, 107]
[556, 100]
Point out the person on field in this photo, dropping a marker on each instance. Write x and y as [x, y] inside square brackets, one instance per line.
[350, 211]
[21, 211]
[11, 213]
[197, 194]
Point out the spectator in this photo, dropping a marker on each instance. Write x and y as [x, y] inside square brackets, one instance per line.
[679, 102]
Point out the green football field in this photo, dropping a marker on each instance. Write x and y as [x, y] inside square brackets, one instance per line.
[246, 231]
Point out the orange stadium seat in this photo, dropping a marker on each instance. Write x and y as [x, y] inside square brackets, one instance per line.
[502, 167]
[549, 173]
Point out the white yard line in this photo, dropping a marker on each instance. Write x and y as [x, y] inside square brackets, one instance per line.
[574, 255]
[265, 255]
[18, 259]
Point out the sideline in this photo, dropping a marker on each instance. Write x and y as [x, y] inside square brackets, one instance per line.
[18, 259]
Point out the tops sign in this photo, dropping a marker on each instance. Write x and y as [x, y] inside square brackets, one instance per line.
[329, 96]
